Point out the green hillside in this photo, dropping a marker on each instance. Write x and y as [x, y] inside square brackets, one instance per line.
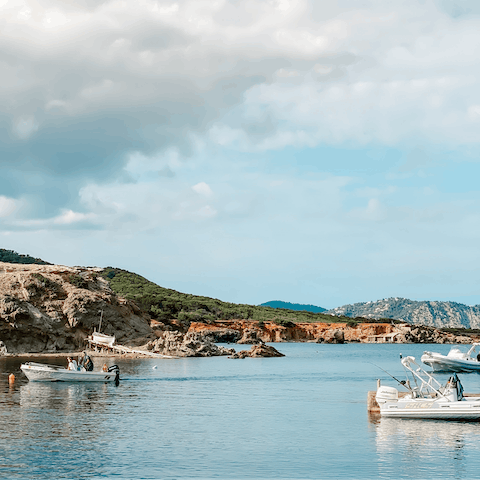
[293, 306]
[165, 304]
[9, 256]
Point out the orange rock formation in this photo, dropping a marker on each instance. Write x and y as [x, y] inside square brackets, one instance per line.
[250, 331]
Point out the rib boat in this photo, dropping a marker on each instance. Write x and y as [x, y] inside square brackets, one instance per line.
[428, 399]
[40, 372]
[454, 361]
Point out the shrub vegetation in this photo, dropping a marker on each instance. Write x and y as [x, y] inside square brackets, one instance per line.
[9, 256]
[166, 304]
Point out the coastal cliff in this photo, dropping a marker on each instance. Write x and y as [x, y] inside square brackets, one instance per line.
[53, 308]
[251, 332]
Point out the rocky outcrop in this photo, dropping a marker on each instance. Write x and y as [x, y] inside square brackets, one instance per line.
[48, 308]
[191, 344]
[249, 337]
[336, 335]
[429, 313]
[260, 350]
[251, 332]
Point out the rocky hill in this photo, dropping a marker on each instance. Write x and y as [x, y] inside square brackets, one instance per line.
[53, 308]
[49, 308]
[430, 313]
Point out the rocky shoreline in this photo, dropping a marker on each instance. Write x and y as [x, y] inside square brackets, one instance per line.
[52, 309]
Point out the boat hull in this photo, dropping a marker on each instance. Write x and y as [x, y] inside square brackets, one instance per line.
[102, 339]
[47, 373]
[442, 363]
[433, 409]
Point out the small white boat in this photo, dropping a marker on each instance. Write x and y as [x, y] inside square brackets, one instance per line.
[428, 399]
[454, 361]
[102, 339]
[40, 372]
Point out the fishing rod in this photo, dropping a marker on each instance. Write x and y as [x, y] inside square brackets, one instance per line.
[401, 382]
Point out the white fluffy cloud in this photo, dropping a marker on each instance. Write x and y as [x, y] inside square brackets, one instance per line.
[70, 217]
[203, 188]
[7, 206]
[163, 119]
[155, 75]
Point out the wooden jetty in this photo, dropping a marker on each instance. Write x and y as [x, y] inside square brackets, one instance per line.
[112, 347]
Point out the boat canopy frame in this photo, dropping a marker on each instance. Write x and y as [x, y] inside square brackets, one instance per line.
[426, 387]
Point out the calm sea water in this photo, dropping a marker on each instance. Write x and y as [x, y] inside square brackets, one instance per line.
[303, 416]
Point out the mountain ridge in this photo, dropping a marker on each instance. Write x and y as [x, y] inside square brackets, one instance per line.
[293, 306]
[432, 313]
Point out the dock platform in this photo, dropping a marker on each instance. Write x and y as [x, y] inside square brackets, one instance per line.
[115, 348]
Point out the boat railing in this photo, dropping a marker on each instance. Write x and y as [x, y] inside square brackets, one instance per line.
[55, 367]
[472, 352]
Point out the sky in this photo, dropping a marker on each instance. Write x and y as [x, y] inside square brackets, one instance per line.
[313, 152]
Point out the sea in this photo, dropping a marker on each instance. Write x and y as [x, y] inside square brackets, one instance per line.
[302, 416]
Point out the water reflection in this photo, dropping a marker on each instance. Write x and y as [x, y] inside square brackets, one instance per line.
[56, 423]
[67, 397]
[424, 434]
[408, 440]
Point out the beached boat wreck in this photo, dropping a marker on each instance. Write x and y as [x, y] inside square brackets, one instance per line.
[40, 372]
[455, 361]
[428, 399]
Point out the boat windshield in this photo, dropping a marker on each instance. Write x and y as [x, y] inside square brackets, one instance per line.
[459, 350]
[464, 351]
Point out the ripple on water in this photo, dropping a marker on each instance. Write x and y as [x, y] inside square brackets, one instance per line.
[302, 416]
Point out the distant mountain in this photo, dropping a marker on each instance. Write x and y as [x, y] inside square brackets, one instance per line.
[430, 313]
[293, 306]
[10, 256]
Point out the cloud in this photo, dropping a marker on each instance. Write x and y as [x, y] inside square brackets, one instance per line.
[67, 220]
[25, 127]
[86, 86]
[70, 217]
[202, 189]
[373, 212]
[7, 206]
[207, 211]
[243, 126]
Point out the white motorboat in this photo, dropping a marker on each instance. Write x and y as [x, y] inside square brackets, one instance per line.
[455, 361]
[428, 399]
[40, 372]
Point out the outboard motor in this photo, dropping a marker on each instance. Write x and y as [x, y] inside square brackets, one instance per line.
[385, 394]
